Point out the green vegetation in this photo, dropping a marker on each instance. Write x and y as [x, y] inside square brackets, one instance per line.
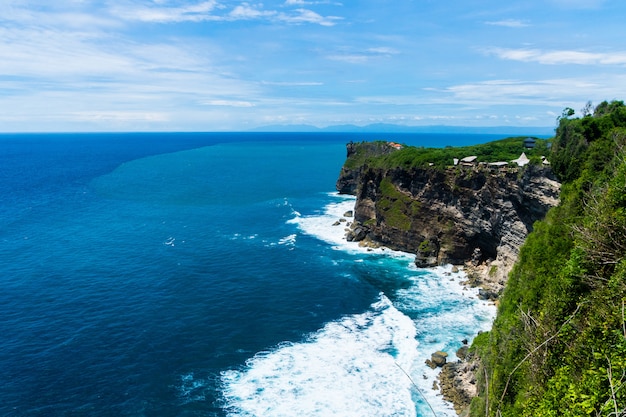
[425, 247]
[397, 208]
[558, 344]
[381, 155]
[492, 270]
[366, 152]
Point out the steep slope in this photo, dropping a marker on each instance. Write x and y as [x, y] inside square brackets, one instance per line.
[558, 344]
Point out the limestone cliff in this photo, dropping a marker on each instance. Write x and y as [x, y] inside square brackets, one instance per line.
[476, 215]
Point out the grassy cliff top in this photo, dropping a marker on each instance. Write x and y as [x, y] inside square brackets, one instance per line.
[383, 155]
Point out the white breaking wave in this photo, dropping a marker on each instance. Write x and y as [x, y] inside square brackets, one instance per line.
[324, 227]
[364, 365]
[444, 313]
[351, 367]
[288, 240]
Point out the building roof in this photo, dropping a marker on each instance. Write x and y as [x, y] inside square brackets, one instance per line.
[522, 160]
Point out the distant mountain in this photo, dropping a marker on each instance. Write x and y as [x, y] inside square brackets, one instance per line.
[394, 128]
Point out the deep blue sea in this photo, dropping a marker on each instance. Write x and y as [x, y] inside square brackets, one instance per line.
[180, 274]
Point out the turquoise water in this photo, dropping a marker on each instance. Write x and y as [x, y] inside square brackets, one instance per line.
[200, 274]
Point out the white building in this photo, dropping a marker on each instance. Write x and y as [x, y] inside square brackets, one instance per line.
[522, 160]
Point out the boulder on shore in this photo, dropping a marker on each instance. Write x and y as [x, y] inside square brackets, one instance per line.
[357, 234]
[487, 295]
[437, 359]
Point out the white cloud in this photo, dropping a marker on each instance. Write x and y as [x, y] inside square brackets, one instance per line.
[65, 77]
[362, 57]
[120, 116]
[383, 50]
[547, 93]
[188, 13]
[67, 16]
[247, 12]
[111, 62]
[502, 91]
[292, 83]
[511, 23]
[208, 11]
[562, 57]
[349, 58]
[304, 2]
[228, 103]
[53, 54]
[309, 16]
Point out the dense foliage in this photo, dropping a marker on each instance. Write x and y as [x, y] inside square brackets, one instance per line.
[378, 154]
[558, 344]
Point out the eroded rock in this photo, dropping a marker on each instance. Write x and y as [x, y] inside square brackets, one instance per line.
[469, 216]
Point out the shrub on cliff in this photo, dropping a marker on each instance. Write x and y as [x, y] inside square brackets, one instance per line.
[558, 344]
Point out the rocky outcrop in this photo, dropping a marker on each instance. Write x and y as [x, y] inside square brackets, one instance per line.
[473, 215]
[457, 381]
[357, 154]
[437, 360]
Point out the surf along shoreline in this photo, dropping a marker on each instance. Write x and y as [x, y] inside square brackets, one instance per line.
[444, 379]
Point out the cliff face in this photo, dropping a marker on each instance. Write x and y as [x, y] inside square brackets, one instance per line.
[458, 215]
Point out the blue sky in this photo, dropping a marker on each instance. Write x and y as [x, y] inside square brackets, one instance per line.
[194, 65]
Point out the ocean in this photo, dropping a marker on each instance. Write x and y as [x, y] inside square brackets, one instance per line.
[201, 274]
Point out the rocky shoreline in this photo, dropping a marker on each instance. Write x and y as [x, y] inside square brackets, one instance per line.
[457, 381]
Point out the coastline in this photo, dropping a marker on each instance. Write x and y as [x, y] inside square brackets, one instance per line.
[433, 383]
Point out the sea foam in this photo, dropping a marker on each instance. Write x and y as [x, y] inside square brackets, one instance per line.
[328, 227]
[352, 367]
[370, 364]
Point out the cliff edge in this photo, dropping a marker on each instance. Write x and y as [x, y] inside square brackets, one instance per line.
[474, 214]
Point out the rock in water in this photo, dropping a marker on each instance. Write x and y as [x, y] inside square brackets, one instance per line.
[439, 358]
